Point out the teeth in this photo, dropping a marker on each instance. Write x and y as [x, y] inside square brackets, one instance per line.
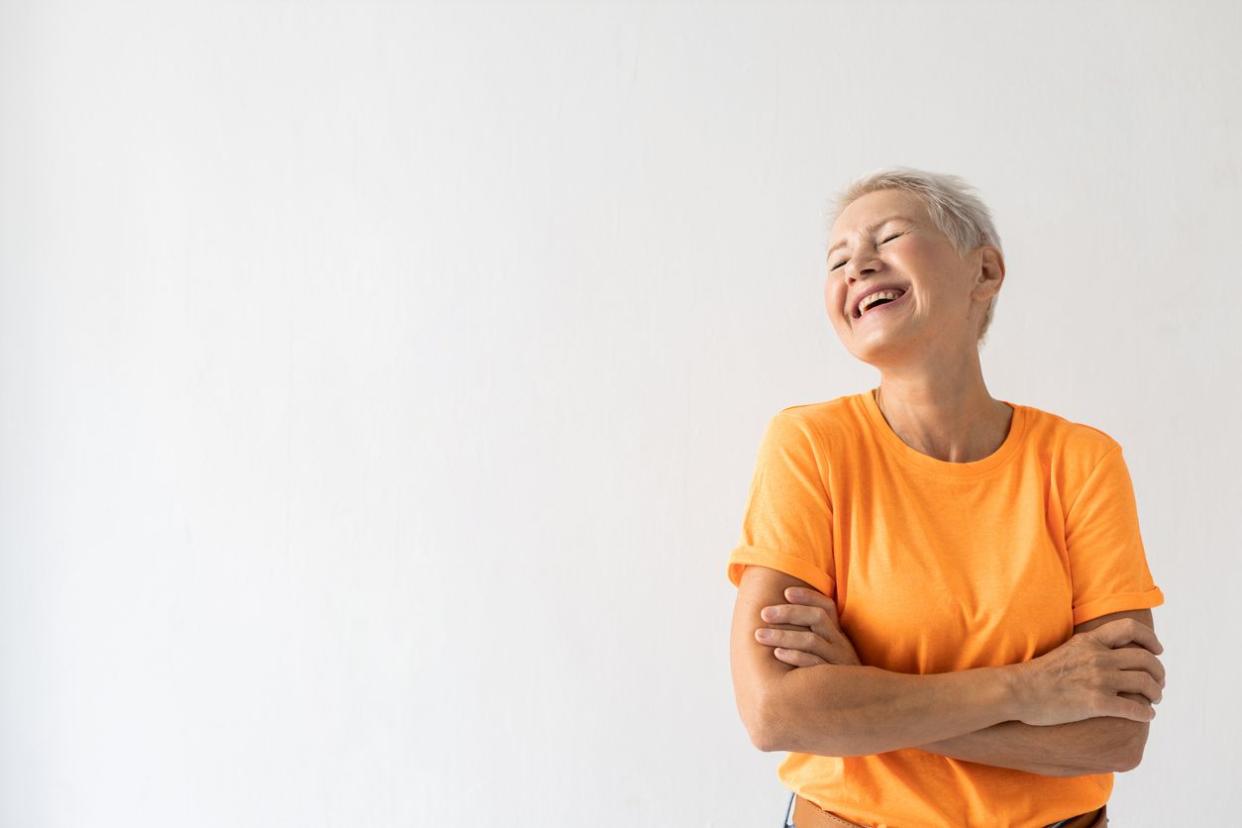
[871, 299]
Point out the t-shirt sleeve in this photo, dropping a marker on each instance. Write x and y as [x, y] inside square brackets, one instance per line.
[1108, 564]
[787, 524]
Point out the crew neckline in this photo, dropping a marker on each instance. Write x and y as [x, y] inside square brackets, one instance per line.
[914, 458]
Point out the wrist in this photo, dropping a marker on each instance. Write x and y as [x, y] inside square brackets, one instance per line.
[1016, 680]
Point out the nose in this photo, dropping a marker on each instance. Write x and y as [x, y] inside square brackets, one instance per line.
[864, 261]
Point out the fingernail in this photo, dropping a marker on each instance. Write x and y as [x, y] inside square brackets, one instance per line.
[764, 633]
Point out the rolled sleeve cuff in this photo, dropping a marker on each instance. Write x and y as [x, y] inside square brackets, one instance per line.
[1117, 603]
[743, 556]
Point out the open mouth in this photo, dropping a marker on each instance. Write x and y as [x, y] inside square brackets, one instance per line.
[879, 307]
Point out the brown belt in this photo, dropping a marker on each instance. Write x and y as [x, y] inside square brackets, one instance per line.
[806, 814]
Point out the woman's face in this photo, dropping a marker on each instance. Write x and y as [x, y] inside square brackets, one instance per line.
[886, 238]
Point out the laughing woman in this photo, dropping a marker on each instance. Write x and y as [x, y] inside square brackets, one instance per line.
[943, 609]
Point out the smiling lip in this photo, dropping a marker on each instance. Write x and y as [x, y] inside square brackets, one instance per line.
[883, 307]
[854, 303]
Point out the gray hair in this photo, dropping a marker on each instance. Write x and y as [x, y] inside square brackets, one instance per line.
[951, 203]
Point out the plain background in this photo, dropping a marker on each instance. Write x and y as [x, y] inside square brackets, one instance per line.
[380, 384]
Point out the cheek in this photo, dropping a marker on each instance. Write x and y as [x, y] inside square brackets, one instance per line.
[833, 296]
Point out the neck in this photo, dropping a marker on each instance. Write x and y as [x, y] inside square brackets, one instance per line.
[957, 423]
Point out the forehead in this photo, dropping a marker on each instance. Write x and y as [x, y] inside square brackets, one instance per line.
[866, 210]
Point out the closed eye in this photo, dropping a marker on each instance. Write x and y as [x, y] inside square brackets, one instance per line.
[843, 261]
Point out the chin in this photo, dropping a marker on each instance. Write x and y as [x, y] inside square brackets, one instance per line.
[879, 351]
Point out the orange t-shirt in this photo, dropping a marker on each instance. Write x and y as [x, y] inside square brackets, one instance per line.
[937, 567]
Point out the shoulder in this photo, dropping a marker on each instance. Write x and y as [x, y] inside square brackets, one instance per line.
[1068, 441]
[825, 423]
[1073, 454]
[818, 432]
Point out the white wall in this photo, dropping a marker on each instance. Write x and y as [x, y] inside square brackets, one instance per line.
[380, 383]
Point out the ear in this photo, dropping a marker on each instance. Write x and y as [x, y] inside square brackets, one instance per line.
[991, 273]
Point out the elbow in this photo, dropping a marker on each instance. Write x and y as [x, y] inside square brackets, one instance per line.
[763, 741]
[1127, 763]
[1130, 756]
[784, 723]
[756, 729]
[764, 725]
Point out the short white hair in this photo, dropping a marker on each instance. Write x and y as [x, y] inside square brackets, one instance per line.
[951, 203]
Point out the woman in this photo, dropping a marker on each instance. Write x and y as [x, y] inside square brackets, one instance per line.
[944, 603]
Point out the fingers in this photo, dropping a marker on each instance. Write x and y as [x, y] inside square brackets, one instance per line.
[807, 608]
[1125, 631]
[795, 614]
[797, 658]
[1124, 708]
[811, 597]
[802, 640]
[1138, 681]
[1136, 658]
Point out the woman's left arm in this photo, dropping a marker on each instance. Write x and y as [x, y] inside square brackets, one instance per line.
[1100, 745]
[812, 635]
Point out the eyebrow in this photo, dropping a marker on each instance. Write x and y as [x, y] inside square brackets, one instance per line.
[872, 229]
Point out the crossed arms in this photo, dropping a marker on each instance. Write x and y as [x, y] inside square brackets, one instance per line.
[980, 730]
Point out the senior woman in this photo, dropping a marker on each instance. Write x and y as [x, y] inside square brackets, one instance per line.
[944, 605]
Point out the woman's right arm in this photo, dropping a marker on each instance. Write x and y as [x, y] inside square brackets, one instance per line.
[848, 710]
[853, 710]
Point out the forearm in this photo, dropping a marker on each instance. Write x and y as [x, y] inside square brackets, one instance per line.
[1099, 745]
[854, 710]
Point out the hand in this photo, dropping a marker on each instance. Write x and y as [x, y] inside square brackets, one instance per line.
[1094, 674]
[806, 631]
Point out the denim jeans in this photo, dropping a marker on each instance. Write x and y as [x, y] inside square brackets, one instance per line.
[788, 821]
